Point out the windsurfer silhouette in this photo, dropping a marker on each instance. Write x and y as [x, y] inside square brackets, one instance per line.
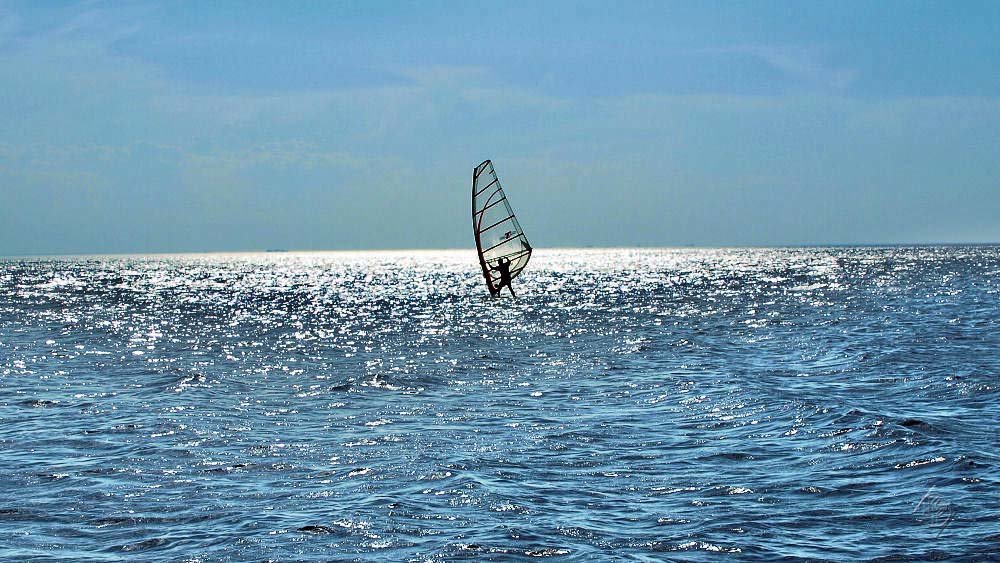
[503, 268]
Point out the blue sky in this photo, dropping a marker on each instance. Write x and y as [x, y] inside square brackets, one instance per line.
[191, 126]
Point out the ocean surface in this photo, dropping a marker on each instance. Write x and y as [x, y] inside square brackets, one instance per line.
[673, 404]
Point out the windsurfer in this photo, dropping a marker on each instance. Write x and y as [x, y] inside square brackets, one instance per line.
[503, 268]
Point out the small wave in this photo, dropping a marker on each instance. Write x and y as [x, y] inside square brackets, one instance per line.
[813, 490]
[547, 552]
[38, 403]
[919, 462]
[916, 423]
[144, 545]
[694, 546]
[319, 529]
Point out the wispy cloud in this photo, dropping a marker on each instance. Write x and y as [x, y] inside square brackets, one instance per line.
[801, 64]
[10, 24]
[100, 21]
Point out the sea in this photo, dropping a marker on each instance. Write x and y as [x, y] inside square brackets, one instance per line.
[629, 404]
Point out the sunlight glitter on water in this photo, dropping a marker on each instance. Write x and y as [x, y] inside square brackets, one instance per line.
[629, 402]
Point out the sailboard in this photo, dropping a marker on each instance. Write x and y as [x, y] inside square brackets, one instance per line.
[498, 234]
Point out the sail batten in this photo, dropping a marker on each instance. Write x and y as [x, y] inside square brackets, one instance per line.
[497, 202]
[496, 181]
[504, 220]
[495, 227]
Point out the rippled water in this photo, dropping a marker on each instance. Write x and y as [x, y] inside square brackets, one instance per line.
[654, 404]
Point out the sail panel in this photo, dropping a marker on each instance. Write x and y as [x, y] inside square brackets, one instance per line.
[497, 232]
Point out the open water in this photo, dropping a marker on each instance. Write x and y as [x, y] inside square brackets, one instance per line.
[817, 403]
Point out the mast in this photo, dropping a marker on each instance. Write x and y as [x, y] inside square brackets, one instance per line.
[475, 227]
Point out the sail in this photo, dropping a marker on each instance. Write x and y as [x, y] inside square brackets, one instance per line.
[495, 227]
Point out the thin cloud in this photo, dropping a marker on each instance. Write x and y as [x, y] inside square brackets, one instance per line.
[800, 64]
[10, 24]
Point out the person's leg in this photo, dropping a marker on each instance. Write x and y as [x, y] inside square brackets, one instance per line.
[511, 288]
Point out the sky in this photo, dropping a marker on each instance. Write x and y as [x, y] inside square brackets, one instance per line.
[131, 127]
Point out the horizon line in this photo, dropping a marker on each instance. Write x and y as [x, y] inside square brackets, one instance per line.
[472, 249]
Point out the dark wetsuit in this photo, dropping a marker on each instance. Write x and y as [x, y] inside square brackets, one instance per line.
[503, 268]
